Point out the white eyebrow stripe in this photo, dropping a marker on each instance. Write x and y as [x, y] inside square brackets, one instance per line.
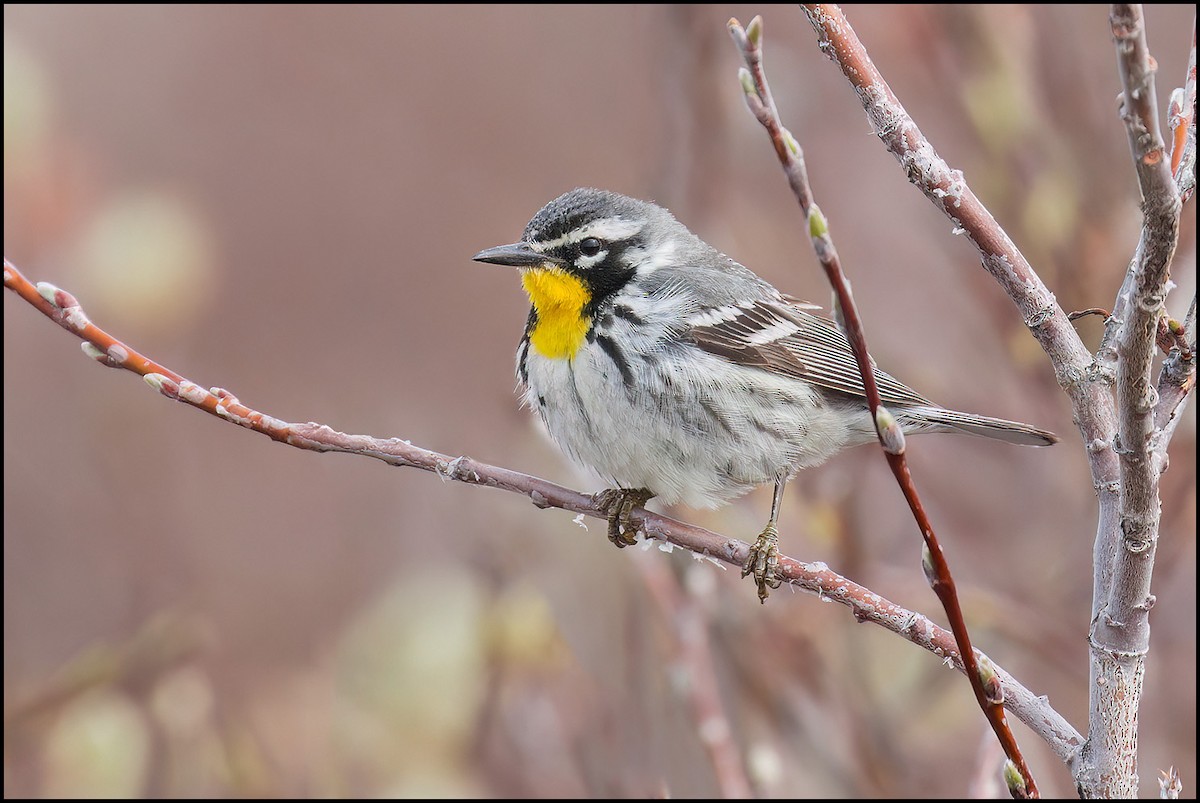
[608, 229]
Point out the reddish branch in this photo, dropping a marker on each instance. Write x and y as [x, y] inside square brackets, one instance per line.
[1084, 378]
[988, 691]
[63, 309]
[1087, 381]
[1182, 119]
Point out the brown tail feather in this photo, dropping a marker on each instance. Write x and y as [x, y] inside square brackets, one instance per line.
[999, 429]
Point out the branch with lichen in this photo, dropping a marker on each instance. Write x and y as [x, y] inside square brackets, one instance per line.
[866, 606]
[1120, 631]
[985, 683]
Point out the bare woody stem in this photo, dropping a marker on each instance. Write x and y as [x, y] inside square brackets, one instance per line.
[1144, 308]
[1182, 118]
[1120, 634]
[866, 606]
[791, 157]
[1178, 376]
[691, 652]
[1086, 381]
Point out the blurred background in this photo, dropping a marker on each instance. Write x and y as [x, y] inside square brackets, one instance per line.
[283, 201]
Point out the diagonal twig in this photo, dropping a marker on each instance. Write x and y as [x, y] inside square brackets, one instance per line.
[1087, 382]
[988, 690]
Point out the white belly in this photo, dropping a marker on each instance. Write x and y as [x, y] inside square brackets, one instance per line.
[697, 430]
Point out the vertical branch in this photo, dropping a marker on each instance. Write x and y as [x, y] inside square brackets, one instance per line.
[1120, 634]
[1182, 118]
[1124, 468]
[1178, 376]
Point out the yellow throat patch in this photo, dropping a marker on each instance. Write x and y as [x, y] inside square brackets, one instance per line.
[559, 299]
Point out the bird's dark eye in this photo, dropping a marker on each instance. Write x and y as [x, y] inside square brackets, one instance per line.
[590, 246]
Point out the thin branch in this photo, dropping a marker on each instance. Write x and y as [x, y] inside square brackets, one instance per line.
[866, 606]
[693, 658]
[1177, 378]
[1082, 379]
[1178, 375]
[1085, 380]
[891, 436]
[1182, 119]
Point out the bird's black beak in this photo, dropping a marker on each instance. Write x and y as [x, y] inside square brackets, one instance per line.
[517, 255]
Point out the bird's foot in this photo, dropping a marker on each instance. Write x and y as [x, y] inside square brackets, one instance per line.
[763, 562]
[617, 504]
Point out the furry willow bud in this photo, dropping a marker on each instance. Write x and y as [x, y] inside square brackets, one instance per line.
[747, 81]
[927, 565]
[1014, 780]
[890, 433]
[993, 690]
[817, 226]
[754, 32]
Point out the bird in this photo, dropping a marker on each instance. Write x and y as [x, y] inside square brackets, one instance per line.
[672, 371]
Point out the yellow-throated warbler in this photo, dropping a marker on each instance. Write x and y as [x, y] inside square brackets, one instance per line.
[675, 372]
